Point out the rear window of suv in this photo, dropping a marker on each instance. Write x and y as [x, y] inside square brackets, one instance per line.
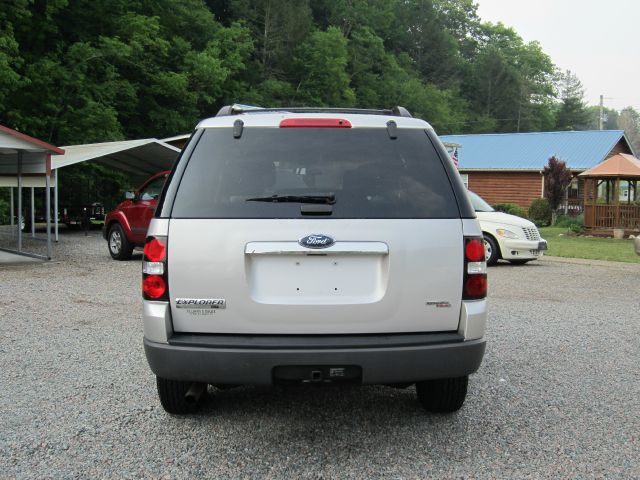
[368, 174]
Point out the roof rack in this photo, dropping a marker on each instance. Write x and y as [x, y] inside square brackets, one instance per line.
[236, 109]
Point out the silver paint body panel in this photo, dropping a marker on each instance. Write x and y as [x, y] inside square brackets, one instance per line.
[377, 278]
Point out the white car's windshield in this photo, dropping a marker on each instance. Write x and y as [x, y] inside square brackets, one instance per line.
[479, 205]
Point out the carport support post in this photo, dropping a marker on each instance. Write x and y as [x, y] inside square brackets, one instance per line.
[55, 201]
[12, 207]
[48, 210]
[19, 216]
[33, 215]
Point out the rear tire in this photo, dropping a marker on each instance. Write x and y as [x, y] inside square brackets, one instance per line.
[119, 246]
[492, 251]
[444, 395]
[172, 393]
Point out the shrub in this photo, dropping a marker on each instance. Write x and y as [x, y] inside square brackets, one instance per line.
[511, 208]
[573, 224]
[540, 212]
[576, 228]
[567, 221]
[564, 221]
[557, 178]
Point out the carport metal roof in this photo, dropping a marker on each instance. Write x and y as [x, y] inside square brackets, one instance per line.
[177, 141]
[33, 153]
[139, 158]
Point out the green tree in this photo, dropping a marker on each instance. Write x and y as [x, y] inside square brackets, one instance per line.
[610, 118]
[321, 62]
[629, 121]
[572, 114]
[83, 71]
[425, 39]
[10, 60]
[557, 178]
[278, 27]
[378, 16]
[510, 83]
[460, 19]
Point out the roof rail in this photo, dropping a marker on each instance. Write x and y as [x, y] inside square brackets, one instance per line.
[236, 109]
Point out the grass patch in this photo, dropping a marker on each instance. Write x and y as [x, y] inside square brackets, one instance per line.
[591, 248]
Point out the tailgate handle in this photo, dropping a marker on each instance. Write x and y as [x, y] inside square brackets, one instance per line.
[338, 248]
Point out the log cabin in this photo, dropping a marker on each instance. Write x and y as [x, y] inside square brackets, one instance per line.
[507, 167]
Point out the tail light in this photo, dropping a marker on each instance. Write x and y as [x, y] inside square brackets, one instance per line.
[154, 269]
[475, 269]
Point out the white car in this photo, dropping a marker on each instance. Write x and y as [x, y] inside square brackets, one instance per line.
[507, 236]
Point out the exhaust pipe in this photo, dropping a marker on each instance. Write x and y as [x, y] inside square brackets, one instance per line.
[194, 393]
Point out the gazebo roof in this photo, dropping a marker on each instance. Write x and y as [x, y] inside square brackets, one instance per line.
[620, 165]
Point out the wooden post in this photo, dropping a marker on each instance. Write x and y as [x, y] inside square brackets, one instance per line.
[628, 192]
[616, 193]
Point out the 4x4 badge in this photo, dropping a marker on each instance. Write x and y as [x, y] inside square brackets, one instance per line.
[317, 240]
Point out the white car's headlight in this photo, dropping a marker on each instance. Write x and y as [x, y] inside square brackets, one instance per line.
[503, 232]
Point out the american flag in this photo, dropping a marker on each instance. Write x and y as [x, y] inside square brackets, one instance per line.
[454, 156]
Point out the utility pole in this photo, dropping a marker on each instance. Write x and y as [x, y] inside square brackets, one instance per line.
[601, 122]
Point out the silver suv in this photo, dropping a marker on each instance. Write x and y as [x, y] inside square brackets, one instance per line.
[314, 245]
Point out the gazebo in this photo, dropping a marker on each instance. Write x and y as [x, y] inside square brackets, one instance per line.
[611, 200]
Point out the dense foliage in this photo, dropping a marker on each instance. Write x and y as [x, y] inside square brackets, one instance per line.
[84, 71]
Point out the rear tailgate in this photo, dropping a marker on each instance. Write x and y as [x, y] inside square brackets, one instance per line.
[381, 275]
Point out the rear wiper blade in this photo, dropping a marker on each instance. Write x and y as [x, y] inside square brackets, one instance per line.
[328, 199]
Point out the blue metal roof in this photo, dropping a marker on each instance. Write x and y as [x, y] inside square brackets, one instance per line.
[531, 151]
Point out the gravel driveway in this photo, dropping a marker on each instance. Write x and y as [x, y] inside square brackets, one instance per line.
[558, 394]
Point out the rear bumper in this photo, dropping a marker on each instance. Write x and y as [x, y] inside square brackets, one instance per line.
[251, 360]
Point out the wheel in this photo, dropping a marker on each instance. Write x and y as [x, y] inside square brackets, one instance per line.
[119, 247]
[173, 395]
[444, 395]
[491, 250]
[519, 262]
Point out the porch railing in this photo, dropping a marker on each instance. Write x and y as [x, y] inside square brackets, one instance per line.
[612, 216]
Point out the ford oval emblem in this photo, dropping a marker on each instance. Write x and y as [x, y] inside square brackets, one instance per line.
[316, 240]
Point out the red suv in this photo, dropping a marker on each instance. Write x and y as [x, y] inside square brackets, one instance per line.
[126, 226]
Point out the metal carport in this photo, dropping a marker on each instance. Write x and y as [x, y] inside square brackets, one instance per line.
[138, 158]
[24, 157]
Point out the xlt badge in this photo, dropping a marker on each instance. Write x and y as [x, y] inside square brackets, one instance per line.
[203, 303]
